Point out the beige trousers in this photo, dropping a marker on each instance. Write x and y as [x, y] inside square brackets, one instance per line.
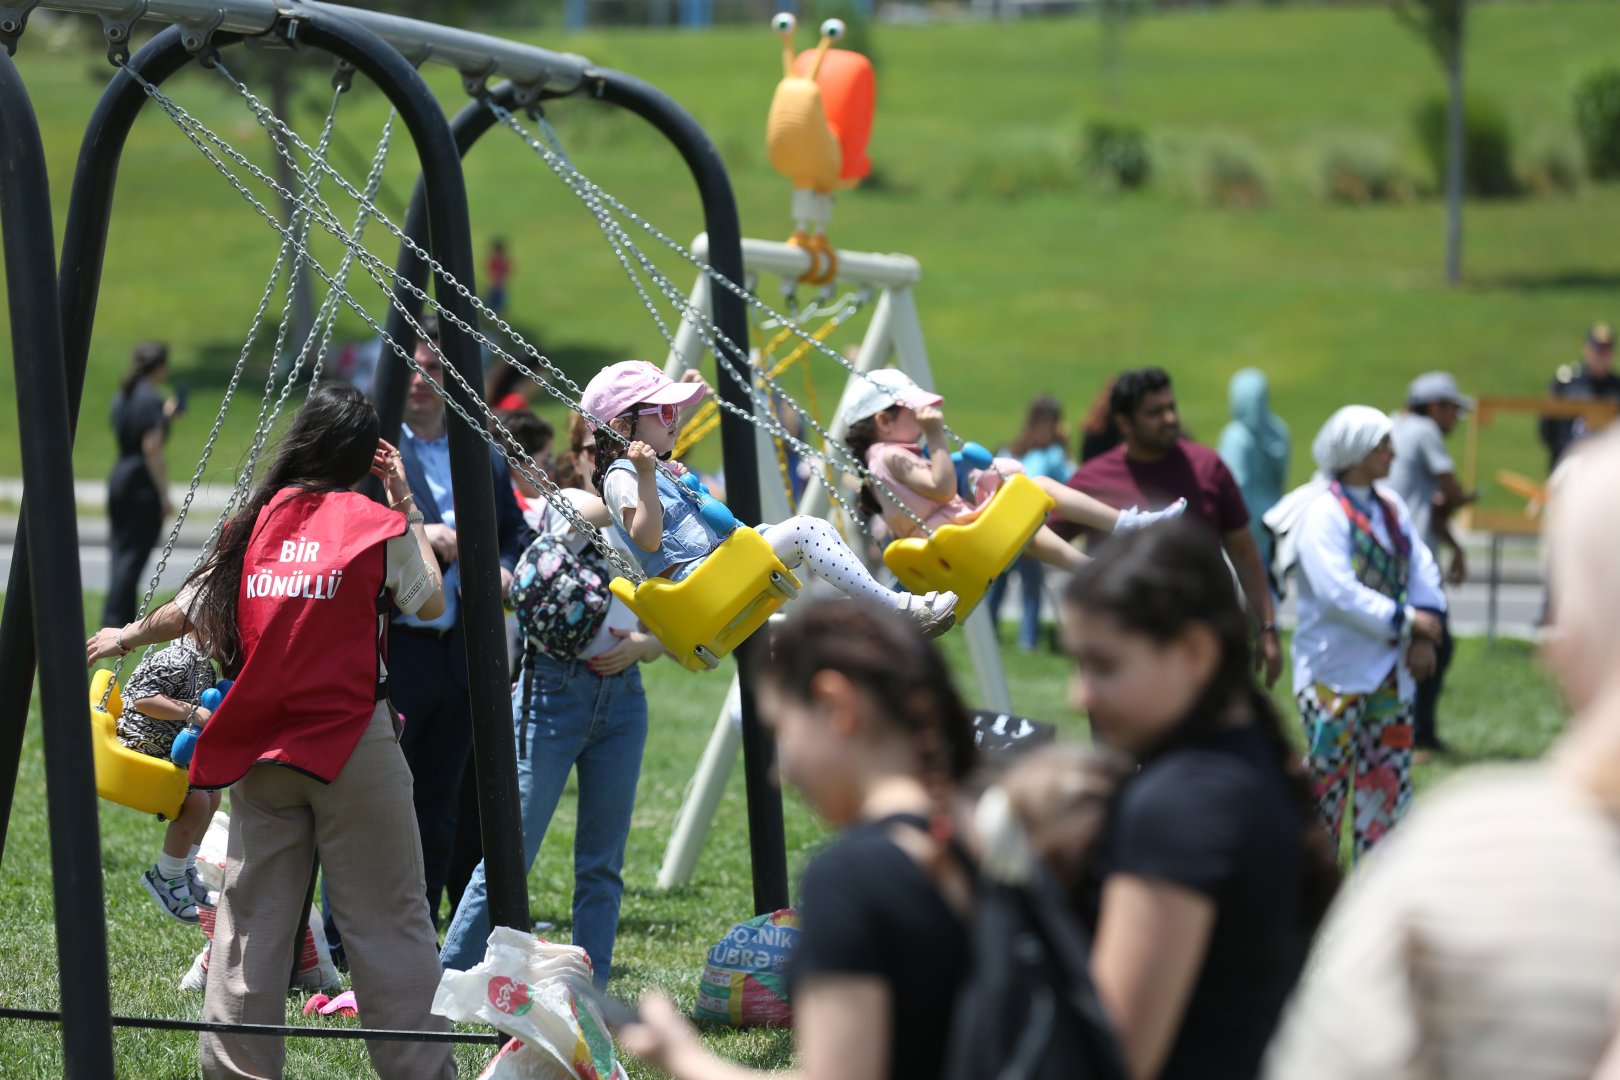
[364, 827]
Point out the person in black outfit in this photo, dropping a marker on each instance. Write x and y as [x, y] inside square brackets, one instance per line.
[1593, 379]
[870, 729]
[1214, 871]
[137, 490]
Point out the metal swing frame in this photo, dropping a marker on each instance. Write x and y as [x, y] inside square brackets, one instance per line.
[51, 335]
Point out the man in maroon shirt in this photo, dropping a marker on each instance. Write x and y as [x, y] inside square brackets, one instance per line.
[1155, 466]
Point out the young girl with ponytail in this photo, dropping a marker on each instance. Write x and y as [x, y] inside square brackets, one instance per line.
[1214, 870]
[872, 732]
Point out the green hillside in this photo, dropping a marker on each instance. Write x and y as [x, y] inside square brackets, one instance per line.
[1040, 292]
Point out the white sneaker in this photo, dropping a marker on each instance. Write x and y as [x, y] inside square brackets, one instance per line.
[1132, 519]
[197, 977]
[174, 896]
[200, 893]
[934, 613]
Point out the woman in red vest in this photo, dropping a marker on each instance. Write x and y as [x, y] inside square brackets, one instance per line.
[294, 601]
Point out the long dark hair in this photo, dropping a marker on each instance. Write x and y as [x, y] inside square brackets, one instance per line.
[1159, 581]
[861, 436]
[615, 446]
[884, 656]
[329, 447]
[147, 358]
[1044, 410]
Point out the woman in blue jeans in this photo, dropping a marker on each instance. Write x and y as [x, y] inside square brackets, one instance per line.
[589, 714]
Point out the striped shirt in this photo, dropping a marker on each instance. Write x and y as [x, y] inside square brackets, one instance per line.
[1482, 942]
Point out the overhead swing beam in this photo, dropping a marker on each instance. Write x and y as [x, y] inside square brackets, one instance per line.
[45, 406]
[766, 832]
[475, 55]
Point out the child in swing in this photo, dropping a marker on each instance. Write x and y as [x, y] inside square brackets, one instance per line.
[663, 526]
[888, 419]
[160, 699]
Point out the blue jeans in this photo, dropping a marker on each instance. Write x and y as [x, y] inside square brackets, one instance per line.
[1031, 572]
[571, 719]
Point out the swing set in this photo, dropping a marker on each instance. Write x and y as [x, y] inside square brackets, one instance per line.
[701, 619]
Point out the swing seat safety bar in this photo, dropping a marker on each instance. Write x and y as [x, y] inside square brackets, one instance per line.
[966, 558]
[717, 606]
[128, 777]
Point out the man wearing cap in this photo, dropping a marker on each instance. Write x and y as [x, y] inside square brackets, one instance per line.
[1593, 379]
[1425, 477]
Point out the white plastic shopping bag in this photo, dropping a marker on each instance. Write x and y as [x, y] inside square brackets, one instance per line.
[540, 994]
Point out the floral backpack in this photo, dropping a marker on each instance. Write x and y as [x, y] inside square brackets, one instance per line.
[560, 598]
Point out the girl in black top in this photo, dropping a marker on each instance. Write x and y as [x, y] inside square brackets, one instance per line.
[1215, 871]
[870, 729]
[137, 495]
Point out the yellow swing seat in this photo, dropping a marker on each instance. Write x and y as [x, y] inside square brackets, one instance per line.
[966, 558]
[713, 609]
[124, 776]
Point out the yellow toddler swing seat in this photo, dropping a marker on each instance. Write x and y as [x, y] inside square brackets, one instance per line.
[966, 558]
[711, 611]
[124, 776]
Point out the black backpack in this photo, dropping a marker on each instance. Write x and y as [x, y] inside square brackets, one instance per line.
[1029, 1010]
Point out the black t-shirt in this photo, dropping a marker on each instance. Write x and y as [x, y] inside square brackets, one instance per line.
[1217, 816]
[134, 414]
[867, 908]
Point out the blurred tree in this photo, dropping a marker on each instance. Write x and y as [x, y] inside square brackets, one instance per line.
[1441, 23]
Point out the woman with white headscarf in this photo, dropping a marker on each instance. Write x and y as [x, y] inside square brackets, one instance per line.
[1368, 593]
[1482, 943]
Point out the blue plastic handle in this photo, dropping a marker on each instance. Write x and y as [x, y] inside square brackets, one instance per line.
[971, 457]
[716, 513]
[184, 744]
[210, 699]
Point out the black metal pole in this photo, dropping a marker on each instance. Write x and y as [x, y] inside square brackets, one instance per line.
[47, 461]
[483, 620]
[83, 245]
[767, 845]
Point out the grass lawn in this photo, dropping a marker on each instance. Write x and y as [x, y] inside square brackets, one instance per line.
[1046, 292]
[1499, 706]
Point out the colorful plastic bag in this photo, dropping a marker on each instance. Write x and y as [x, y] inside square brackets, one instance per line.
[745, 980]
[540, 994]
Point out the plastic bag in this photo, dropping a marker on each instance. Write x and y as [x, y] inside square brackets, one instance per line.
[745, 980]
[540, 994]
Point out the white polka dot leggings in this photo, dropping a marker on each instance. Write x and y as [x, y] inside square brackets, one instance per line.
[812, 540]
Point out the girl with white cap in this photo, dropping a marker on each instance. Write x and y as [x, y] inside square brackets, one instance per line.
[663, 527]
[888, 419]
[1369, 594]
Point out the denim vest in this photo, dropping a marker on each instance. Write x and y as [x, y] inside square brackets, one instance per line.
[687, 537]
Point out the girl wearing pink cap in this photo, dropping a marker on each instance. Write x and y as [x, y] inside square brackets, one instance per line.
[661, 523]
[888, 418]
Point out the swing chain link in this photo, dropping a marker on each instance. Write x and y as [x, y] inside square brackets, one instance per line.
[525, 465]
[726, 351]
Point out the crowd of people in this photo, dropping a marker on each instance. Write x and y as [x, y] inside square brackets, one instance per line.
[1193, 850]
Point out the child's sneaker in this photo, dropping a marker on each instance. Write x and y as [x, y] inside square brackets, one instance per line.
[1132, 519]
[934, 613]
[174, 897]
[202, 894]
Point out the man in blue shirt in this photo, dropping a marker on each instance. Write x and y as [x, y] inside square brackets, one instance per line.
[427, 660]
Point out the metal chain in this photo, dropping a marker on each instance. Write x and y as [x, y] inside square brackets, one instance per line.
[523, 462]
[213, 435]
[561, 165]
[376, 267]
[763, 415]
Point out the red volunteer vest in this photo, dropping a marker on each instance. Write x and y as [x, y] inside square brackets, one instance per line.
[311, 639]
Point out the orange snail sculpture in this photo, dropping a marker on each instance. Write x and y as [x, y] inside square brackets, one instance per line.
[817, 131]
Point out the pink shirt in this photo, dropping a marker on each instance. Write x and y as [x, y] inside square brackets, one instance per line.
[931, 510]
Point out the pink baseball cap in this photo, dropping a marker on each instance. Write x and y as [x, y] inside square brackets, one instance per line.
[883, 388]
[632, 382]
